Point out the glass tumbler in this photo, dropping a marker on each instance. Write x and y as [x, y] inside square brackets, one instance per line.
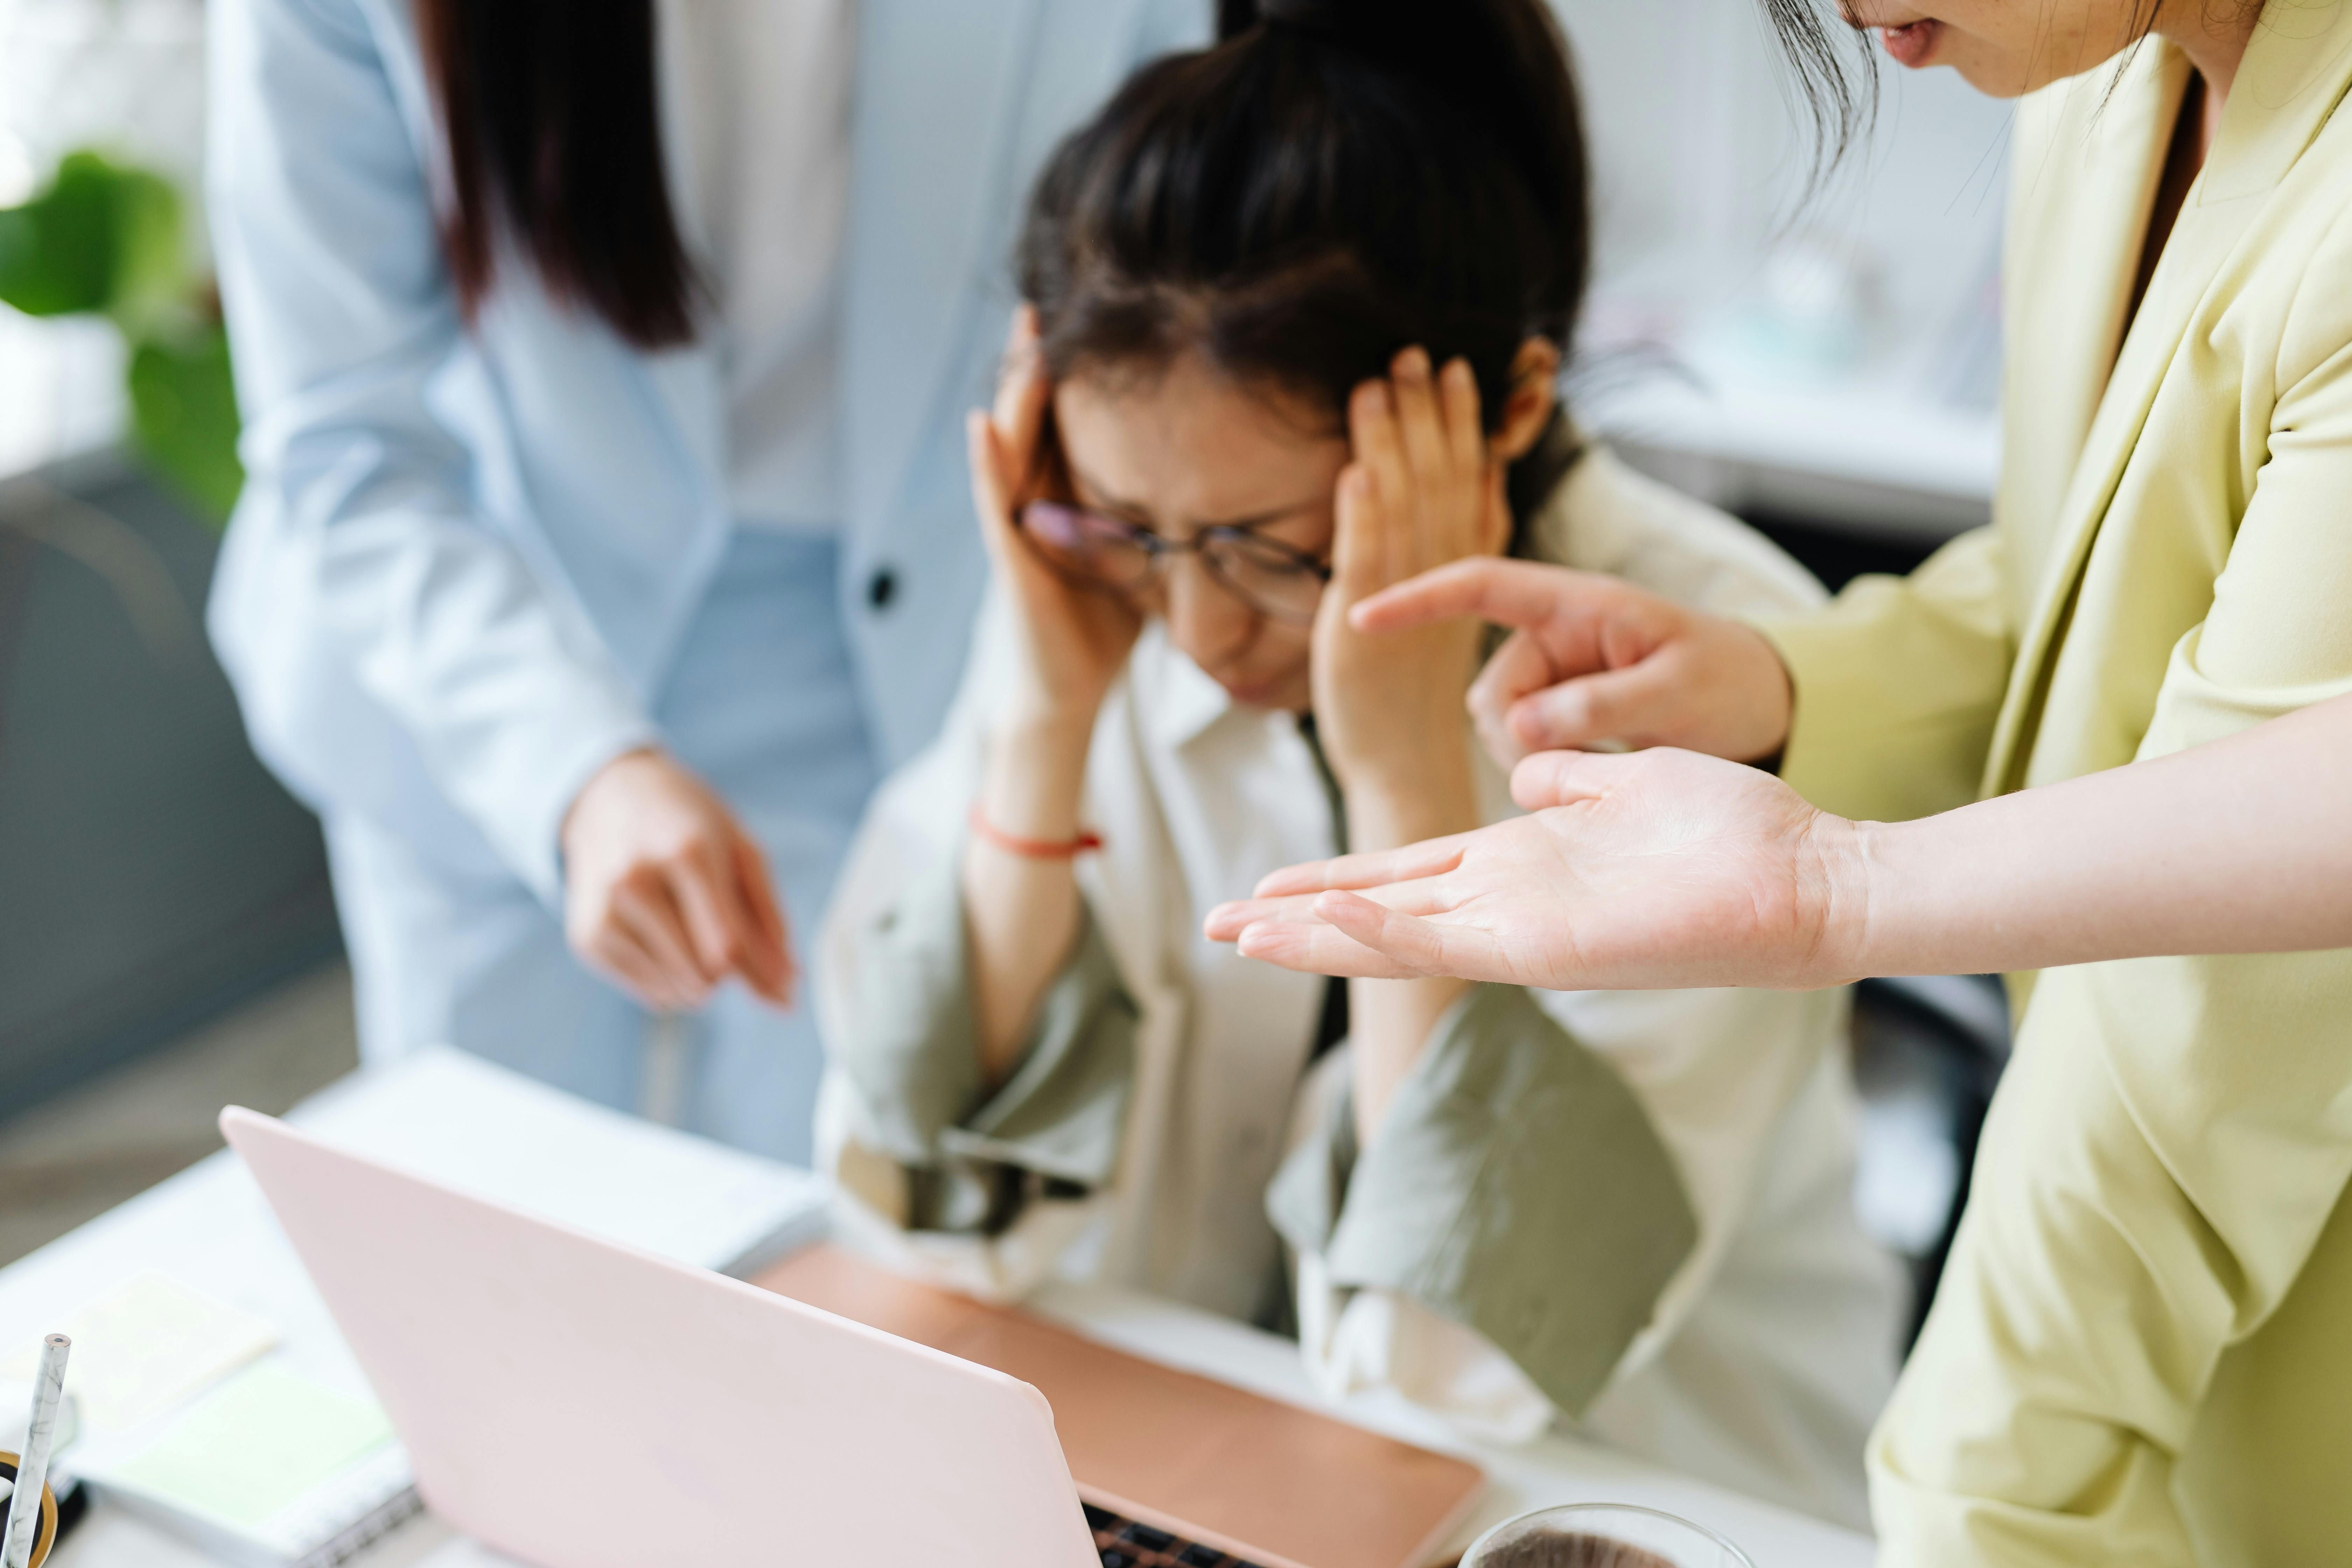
[1603, 1535]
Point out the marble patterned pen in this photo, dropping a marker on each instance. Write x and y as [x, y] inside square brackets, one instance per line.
[33, 1468]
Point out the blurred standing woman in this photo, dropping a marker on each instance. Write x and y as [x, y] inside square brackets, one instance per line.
[604, 536]
[2140, 1350]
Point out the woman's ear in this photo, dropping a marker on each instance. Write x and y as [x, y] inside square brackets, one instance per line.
[1535, 393]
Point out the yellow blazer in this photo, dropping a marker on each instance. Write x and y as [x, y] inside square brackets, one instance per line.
[2142, 1352]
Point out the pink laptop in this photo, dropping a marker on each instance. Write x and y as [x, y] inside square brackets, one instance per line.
[578, 1403]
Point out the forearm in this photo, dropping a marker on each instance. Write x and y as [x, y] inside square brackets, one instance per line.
[1391, 1020]
[1021, 912]
[2240, 846]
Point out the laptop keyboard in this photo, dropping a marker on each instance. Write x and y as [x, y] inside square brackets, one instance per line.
[1124, 1543]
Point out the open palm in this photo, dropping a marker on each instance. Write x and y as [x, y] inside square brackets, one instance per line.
[1663, 869]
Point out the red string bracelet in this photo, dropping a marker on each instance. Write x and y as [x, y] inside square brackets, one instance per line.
[1032, 848]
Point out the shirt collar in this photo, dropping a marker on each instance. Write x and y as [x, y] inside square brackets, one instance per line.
[1179, 701]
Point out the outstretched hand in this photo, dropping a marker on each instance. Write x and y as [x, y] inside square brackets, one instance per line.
[1661, 870]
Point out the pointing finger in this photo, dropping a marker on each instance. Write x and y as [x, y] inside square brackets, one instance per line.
[1509, 592]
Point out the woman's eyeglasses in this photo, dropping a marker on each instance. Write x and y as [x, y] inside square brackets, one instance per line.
[1264, 573]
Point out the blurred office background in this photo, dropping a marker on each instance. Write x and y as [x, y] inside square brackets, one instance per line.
[1826, 368]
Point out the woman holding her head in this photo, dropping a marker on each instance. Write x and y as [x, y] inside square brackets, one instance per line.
[2138, 1352]
[1297, 311]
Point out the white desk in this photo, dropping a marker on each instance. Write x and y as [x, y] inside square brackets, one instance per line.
[209, 1226]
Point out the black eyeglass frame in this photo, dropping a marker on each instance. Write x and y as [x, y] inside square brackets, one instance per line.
[1159, 551]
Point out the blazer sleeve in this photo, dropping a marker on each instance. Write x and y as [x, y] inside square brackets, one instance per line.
[358, 509]
[2174, 1141]
[1898, 685]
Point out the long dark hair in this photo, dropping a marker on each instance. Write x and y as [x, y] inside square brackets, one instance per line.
[554, 142]
[1334, 180]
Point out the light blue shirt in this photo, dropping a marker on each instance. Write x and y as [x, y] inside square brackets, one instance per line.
[465, 557]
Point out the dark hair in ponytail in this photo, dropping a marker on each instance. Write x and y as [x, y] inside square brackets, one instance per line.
[554, 140]
[1334, 180]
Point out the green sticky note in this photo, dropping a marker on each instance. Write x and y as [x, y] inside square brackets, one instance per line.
[254, 1446]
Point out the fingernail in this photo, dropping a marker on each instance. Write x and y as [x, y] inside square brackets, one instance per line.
[1413, 364]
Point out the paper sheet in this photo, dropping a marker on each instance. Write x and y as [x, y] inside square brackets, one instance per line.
[143, 1347]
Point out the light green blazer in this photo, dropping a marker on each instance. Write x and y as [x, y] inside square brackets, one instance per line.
[2142, 1352]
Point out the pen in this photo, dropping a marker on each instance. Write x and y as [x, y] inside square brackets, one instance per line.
[33, 1468]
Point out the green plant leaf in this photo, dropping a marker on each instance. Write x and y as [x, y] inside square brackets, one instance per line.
[100, 237]
[183, 416]
[150, 266]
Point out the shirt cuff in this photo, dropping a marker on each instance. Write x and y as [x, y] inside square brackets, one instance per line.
[915, 1063]
[1517, 1187]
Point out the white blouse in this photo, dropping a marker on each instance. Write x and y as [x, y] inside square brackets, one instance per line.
[1773, 1345]
[755, 113]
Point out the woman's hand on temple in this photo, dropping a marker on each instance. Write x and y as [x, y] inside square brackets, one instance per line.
[1422, 492]
[1593, 661]
[1660, 869]
[1074, 639]
[664, 893]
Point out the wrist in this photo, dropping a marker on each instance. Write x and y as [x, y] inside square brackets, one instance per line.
[1401, 766]
[1034, 782]
[1387, 810]
[1846, 863]
[613, 770]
